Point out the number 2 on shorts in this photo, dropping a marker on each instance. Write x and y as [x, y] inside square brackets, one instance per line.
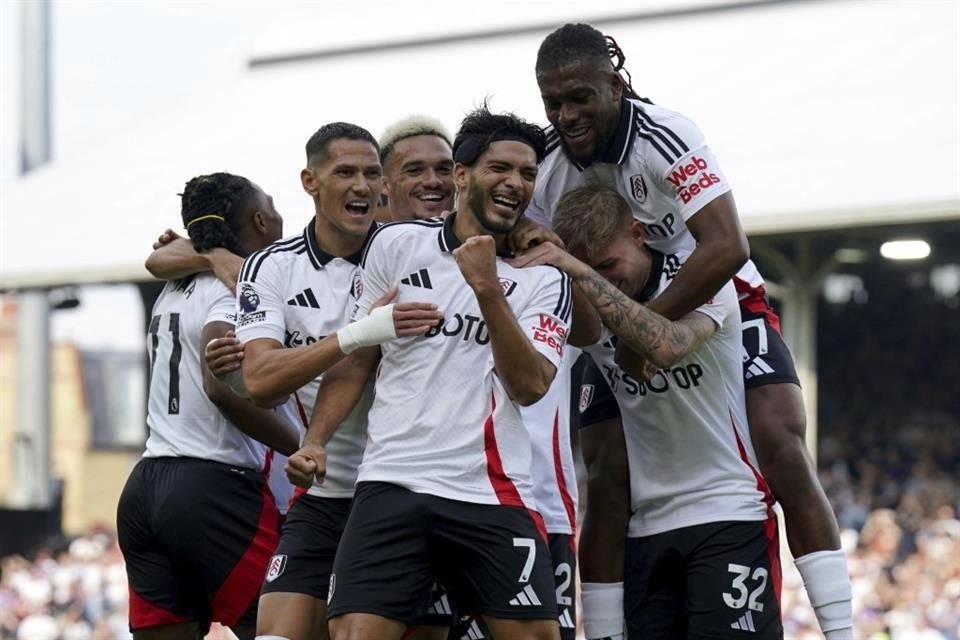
[740, 574]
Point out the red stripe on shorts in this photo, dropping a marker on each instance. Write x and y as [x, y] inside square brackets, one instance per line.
[242, 586]
[145, 614]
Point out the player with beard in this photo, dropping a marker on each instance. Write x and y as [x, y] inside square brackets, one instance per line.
[659, 161]
[417, 161]
[444, 487]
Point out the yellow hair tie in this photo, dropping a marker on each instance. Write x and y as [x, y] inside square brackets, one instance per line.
[212, 216]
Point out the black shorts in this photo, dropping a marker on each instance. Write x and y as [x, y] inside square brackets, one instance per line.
[195, 555]
[303, 560]
[563, 555]
[766, 357]
[492, 559]
[718, 580]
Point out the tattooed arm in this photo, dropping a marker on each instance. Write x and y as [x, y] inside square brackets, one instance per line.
[659, 340]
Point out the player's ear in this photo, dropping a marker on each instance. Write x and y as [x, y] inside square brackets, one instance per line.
[461, 175]
[309, 180]
[616, 86]
[636, 231]
[259, 222]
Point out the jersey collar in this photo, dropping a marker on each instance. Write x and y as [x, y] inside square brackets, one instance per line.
[319, 258]
[448, 239]
[653, 280]
[619, 146]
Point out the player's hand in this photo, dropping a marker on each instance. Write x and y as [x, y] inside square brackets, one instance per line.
[477, 260]
[633, 363]
[549, 253]
[224, 355]
[528, 234]
[410, 318]
[165, 238]
[307, 464]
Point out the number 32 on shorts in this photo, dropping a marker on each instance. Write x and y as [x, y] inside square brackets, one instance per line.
[742, 595]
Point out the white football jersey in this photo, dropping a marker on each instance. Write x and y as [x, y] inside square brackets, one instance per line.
[688, 444]
[183, 421]
[295, 293]
[442, 422]
[660, 162]
[551, 464]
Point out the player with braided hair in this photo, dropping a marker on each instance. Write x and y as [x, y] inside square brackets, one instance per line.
[659, 161]
[185, 568]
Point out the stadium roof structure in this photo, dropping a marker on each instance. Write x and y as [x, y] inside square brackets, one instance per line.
[823, 115]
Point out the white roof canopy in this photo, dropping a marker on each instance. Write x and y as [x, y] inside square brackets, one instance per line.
[822, 114]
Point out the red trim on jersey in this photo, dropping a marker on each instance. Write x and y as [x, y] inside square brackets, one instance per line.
[507, 493]
[561, 479]
[242, 586]
[145, 614]
[773, 551]
[770, 524]
[754, 300]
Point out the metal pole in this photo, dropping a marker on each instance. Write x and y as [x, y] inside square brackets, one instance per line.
[31, 451]
[31, 448]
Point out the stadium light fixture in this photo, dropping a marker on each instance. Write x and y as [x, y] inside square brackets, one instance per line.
[905, 250]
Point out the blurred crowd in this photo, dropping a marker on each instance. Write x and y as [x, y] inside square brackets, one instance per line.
[889, 459]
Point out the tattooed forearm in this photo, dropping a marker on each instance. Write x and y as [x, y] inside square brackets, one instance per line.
[653, 336]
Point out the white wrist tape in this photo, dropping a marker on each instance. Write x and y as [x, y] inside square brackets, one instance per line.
[602, 609]
[376, 328]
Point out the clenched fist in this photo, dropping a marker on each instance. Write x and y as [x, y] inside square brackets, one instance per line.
[477, 259]
[306, 464]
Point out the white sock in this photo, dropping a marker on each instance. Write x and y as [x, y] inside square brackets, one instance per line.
[827, 582]
[602, 610]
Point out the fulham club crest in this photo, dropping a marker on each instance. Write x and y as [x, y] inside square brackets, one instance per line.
[277, 564]
[638, 187]
[586, 396]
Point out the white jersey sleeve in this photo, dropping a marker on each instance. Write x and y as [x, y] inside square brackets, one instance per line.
[374, 281]
[717, 309]
[223, 305]
[259, 306]
[694, 179]
[546, 319]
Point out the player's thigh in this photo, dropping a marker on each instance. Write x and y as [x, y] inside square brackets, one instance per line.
[383, 564]
[654, 593]
[233, 537]
[494, 559]
[733, 582]
[563, 554]
[523, 629]
[365, 626]
[163, 594]
[297, 616]
[303, 560]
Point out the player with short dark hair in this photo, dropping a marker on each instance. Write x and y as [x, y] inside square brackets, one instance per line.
[185, 568]
[659, 161]
[294, 301]
[444, 488]
[702, 552]
[417, 158]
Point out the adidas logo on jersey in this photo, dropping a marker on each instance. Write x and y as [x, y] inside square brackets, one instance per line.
[526, 598]
[757, 367]
[745, 623]
[304, 299]
[419, 279]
